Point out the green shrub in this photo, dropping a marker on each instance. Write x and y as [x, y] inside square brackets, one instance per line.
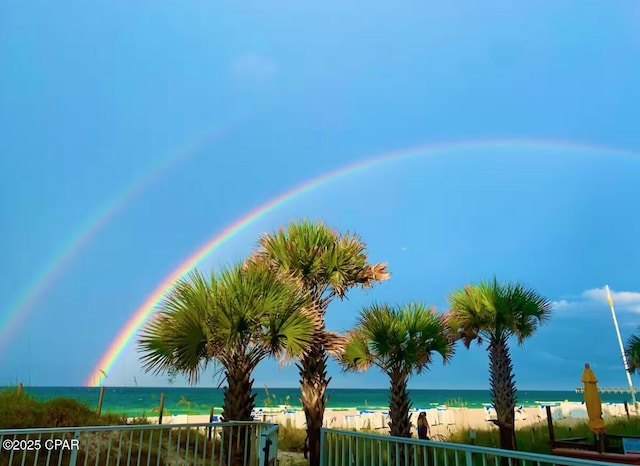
[66, 412]
[17, 411]
[291, 439]
[20, 411]
[535, 438]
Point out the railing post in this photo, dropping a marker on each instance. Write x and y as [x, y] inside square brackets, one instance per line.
[74, 452]
[323, 447]
[267, 447]
[469, 458]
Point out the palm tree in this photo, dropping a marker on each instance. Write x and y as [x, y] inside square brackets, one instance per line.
[632, 350]
[496, 312]
[400, 341]
[324, 264]
[236, 319]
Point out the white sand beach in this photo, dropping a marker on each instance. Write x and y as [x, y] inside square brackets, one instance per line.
[442, 420]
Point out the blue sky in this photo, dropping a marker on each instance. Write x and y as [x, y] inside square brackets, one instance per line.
[94, 97]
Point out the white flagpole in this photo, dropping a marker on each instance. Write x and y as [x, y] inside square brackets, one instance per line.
[624, 356]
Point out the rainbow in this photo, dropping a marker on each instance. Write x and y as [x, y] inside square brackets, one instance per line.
[142, 313]
[51, 272]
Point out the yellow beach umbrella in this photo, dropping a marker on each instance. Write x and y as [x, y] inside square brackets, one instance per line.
[592, 401]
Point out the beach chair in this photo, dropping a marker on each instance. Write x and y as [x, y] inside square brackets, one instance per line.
[367, 419]
[616, 409]
[351, 421]
[557, 412]
[445, 417]
[328, 422]
[490, 414]
[432, 417]
[384, 420]
[578, 413]
[290, 419]
[520, 413]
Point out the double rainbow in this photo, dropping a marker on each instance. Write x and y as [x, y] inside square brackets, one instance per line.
[142, 313]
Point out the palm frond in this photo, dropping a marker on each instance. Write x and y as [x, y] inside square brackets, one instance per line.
[319, 259]
[632, 350]
[356, 356]
[492, 310]
[401, 339]
[334, 343]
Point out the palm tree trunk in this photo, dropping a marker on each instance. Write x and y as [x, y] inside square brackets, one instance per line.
[400, 424]
[503, 391]
[239, 401]
[313, 386]
[399, 407]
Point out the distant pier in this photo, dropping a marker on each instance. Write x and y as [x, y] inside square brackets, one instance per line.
[611, 389]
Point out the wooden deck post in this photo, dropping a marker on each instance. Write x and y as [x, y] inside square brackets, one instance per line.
[552, 435]
[100, 400]
[161, 408]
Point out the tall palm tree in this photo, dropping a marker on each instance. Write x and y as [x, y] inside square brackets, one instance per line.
[496, 312]
[324, 264]
[400, 341]
[632, 348]
[237, 319]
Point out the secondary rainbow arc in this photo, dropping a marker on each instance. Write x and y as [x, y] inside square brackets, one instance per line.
[15, 315]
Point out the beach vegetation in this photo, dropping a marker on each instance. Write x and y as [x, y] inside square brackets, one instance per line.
[191, 405]
[632, 350]
[495, 313]
[238, 318]
[269, 397]
[325, 264]
[270, 401]
[456, 403]
[535, 439]
[291, 438]
[400, 341]
[21, 411]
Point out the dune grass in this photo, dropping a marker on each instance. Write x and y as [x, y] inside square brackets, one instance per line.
[533, 439]
[20, 411]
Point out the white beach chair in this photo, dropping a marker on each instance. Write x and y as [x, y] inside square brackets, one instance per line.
[329, 422]
[367, 419]
[490, 413]
[351, 421]
[578, 413]
[445, 417]
[290, 419]
[557, 412]
[432, 417]
[384, 420]
[615, 409]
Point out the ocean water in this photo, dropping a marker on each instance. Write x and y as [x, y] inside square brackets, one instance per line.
[137, 401]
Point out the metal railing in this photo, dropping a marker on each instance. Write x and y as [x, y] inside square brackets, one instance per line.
[349, 448]
[219, 444]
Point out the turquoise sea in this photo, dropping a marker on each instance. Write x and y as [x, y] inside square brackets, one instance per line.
[137, 401]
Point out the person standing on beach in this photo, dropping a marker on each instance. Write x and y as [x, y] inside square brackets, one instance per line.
[423, 426]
